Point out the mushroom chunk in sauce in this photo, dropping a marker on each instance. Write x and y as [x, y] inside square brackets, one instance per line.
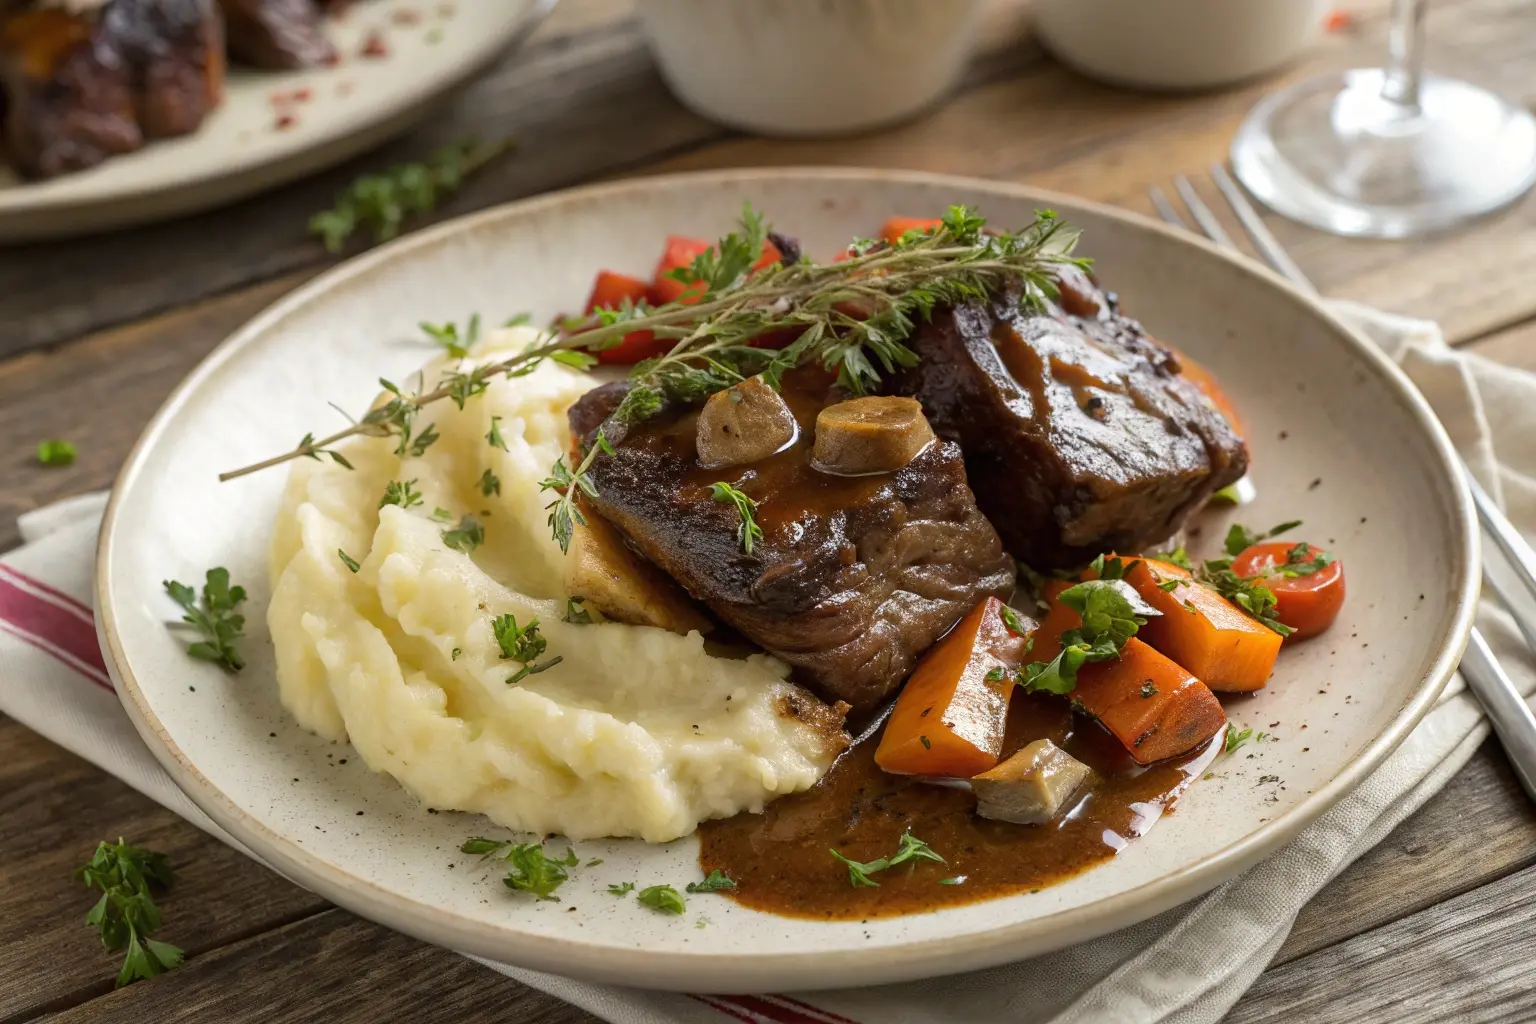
[870, 435]
[1033, 786]
[743, 424]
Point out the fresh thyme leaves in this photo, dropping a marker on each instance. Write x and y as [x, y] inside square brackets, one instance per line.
[1304, 560]
[524, 644]
[448, 338]
[663, 898]
[348, 561]
[564, 514]
[313, 449]
[56, 453]
[893, 288]
[461, 387]
[402, 493]
[1236, 737]
[214, 617]
[493, 436]
[715, 881]
[748, 533]
[381, 203]
[126, 913]
[575, 614]
[1112, 611]
[1240, 538]
[912, 848]
[465, 537]
[490, 483]
[622, 889]
[423, 440]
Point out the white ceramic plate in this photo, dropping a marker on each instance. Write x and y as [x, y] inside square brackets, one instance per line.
[1339, 439]
[241, 149]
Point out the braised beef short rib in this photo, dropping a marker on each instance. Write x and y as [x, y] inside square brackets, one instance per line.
[1080, 435]
[854, 577]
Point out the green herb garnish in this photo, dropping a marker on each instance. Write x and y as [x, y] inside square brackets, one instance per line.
[56, 453]
[663, 898]
[575, 614]
[448, 338]
[1240, 538]
[215, 618]
[1304, 560]
[465, 537]
[493, 436]
[523, 644]
[912, 848]
[381, 203]
[564, 514]
[748, 533]
[348, 561]
[1112, 612]
[490, 483]
[622, 889]
[402, 493]
[126, 913]
[1236, 737]
[715, 881]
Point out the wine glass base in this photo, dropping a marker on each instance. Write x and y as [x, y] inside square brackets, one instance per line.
[1333, 153]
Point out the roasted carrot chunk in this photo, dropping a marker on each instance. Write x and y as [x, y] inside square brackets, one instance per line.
[1227, 648]
[1151, 705]
[950, 716]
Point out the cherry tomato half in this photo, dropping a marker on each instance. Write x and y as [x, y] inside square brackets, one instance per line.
[898, 226]
[1307, 603]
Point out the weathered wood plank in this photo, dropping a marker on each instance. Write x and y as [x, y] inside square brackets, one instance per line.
[1049, 127]
[99, 393]
[1479, 828]
[332, 967]
[1513, 347]
[1465, 960]
[54, 808]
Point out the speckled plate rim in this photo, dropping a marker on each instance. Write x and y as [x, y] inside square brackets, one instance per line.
[811, 968]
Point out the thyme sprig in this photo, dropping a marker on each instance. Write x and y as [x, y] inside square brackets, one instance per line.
[851, 317]
[564, 513]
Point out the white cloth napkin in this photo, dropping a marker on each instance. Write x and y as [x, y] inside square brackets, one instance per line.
[1187, 966]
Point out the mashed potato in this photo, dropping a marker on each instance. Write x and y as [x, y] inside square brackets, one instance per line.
[637, 732]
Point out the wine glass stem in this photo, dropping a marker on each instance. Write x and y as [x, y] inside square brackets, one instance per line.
[1405, 57]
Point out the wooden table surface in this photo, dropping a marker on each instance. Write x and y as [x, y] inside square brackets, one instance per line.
[94, 333]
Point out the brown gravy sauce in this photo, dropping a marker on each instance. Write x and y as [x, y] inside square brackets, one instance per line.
[780, 858]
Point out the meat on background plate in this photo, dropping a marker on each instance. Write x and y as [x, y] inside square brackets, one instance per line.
[176, 51]
[276, 34]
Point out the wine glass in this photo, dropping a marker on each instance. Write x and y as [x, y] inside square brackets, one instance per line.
[1387, 152]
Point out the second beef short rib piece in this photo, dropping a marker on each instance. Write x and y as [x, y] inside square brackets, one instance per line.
[1080, 435]
[854, 576]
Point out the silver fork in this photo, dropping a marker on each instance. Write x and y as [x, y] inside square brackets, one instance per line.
[1511, 717]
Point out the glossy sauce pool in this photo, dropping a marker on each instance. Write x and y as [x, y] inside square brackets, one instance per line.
[780, 858]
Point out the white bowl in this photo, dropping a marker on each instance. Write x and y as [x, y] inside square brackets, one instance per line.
[1177, 44]
[1321, 404]
[810, 67]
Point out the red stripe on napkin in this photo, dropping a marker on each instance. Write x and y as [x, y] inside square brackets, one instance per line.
[52, 623]
[820, 1015]
[768, 1009]
[36, 584]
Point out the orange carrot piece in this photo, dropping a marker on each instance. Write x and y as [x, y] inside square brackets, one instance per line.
[898, 226]
[950, 717]
[1152, 706]
[1223, 645]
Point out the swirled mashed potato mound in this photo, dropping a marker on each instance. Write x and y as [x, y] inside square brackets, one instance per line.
[636, 732]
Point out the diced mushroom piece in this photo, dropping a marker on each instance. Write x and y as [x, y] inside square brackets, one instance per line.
[1031, 787]
[870, 435]
[602, 571]
[742, 424]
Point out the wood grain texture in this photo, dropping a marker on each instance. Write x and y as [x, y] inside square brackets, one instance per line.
[1466, 960]
[54, 808]
[332, 967]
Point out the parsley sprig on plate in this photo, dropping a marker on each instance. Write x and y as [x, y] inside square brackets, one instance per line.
[214, 617]
[912, 848]
[126, 914]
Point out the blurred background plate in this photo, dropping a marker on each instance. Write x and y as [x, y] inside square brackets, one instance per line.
[261, 137]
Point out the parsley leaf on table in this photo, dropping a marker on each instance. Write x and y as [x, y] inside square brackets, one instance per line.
[126, 913]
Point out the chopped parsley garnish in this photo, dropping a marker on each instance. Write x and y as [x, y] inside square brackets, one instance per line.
[1236, 737]
[348, 561]
[1148, 689]
[523, 644]
[457, 651]
[575, 614]
[1178, 556]
[912, 848]
[663, 898]
[1111, 568]
[748, 533]
[957, 880]
[564, 515]
[215, 618]
[1240, 538]
[126, 913]
[402, 493]
[490, 483]
[715, 881]
[1247, 592]
[1112, 612]
[1304, 560]
[467, 536]
[622, 889]
[493, 436]
[529, 868]
[56, 453]
[1013, 622]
